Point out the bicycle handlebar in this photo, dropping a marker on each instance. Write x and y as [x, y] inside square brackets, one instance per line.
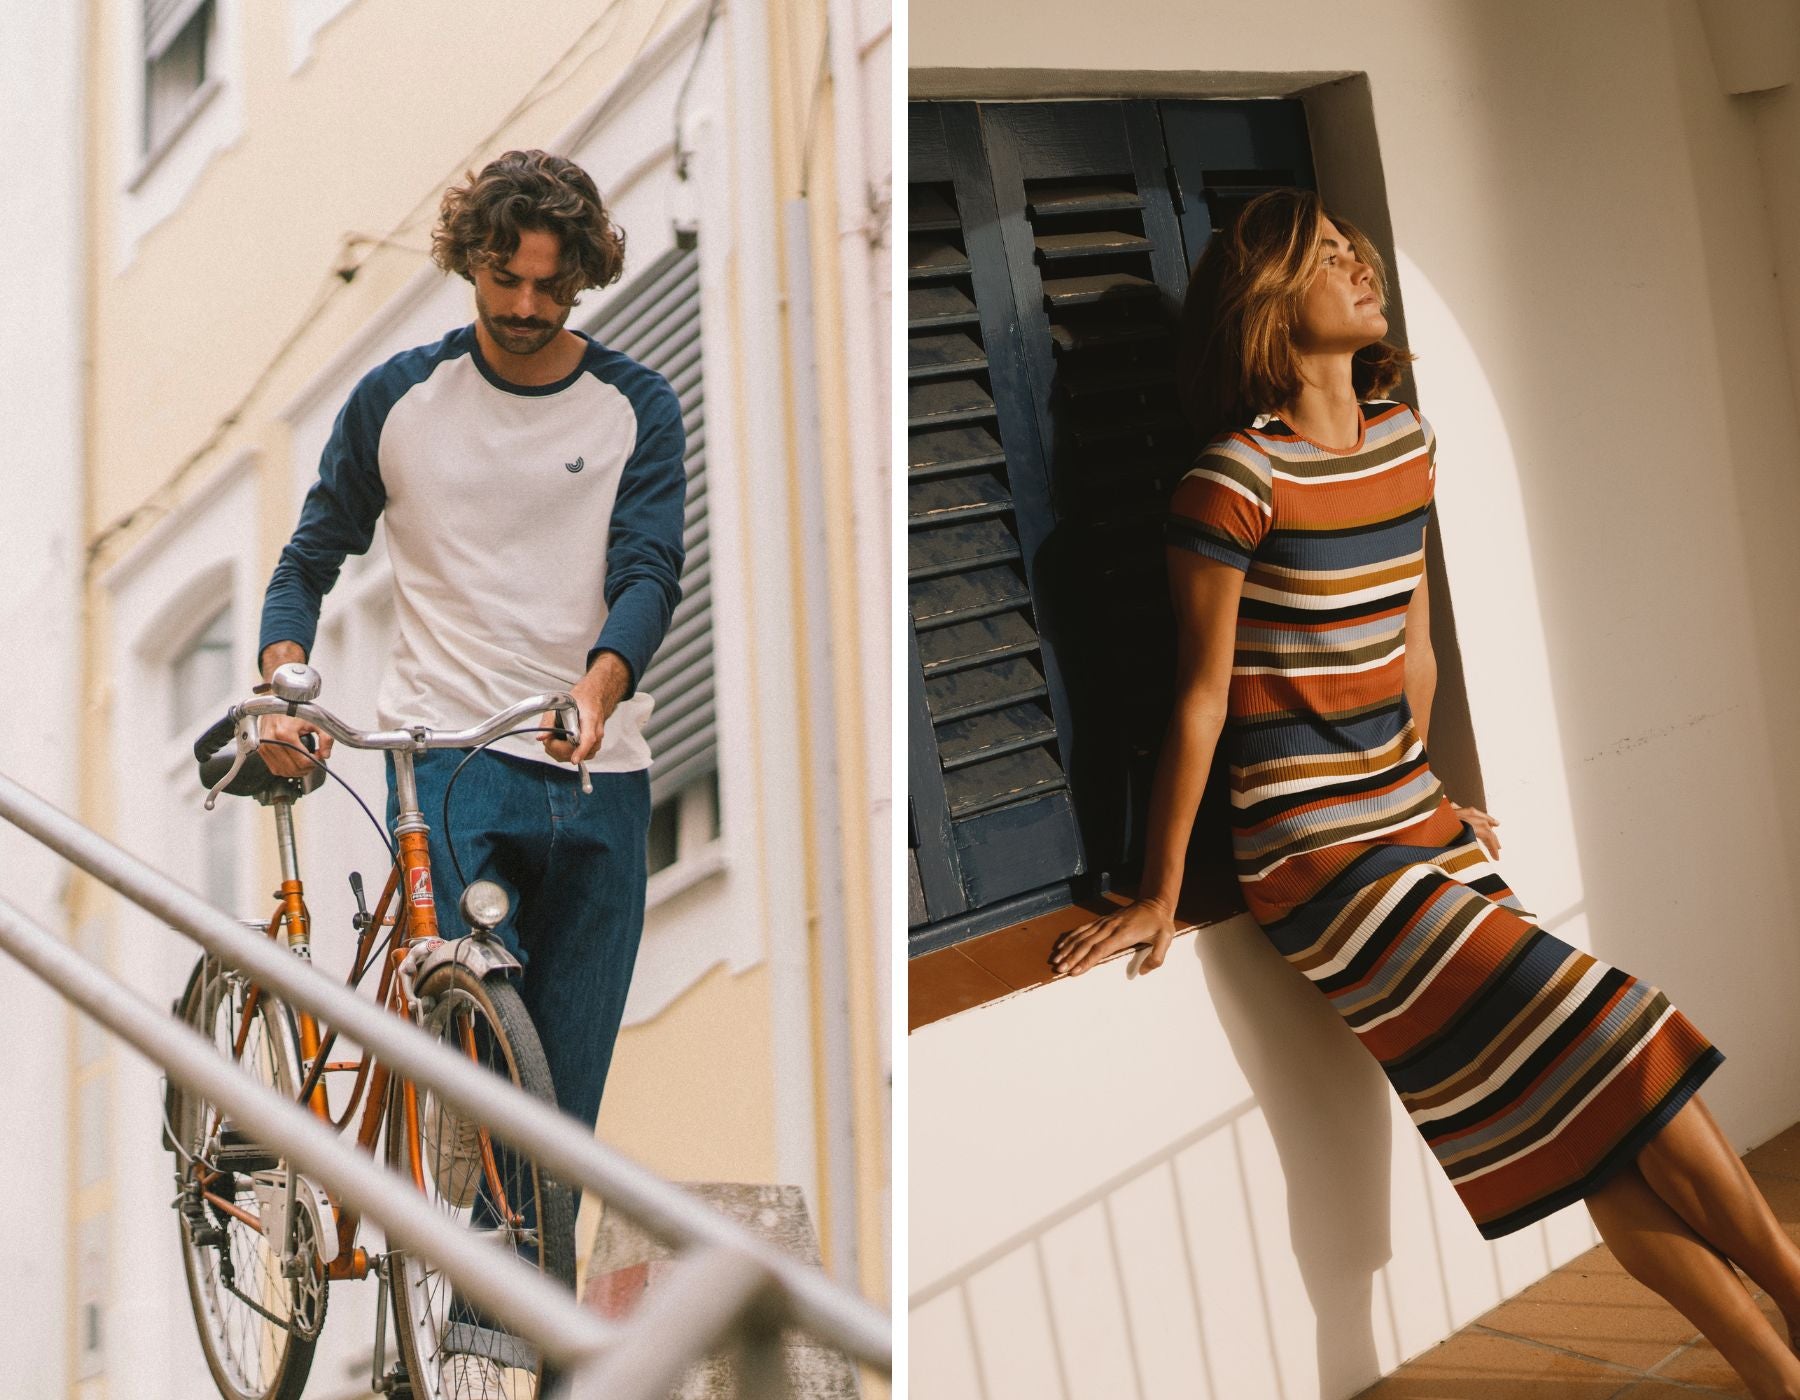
[240, 722]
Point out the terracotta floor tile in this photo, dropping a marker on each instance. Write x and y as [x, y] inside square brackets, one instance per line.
[1476, 1365]
[943, 983]
[1779, 1156]
[1592, 1306]
[1701, 1363]
[1659, 1390]
[1783, 1196]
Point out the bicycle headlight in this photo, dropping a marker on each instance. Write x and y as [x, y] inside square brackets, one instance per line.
[484, 905]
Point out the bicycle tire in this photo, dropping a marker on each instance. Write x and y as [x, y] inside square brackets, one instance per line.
[463, 1008]
[251, 1356]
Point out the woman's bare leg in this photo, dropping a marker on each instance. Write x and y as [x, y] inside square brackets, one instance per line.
[1659, 1250]
[1692, 1167]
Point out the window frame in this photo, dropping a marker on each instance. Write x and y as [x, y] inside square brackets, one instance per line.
[155, 180]
[153, 143]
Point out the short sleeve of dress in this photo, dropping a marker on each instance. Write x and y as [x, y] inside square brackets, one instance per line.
[1430, 446]
[1223, 506]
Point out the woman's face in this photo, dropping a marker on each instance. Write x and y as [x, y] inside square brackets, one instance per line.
[1339, 310]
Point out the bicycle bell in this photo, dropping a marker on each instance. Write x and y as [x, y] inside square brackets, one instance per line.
[484, 905]
[296, 683]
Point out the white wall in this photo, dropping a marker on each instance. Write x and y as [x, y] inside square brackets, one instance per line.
[1586, 263]
[40, 569]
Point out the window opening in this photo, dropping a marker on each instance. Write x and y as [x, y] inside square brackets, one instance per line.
[177, 37]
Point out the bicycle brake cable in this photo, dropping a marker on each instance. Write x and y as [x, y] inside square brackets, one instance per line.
[318, 762]
[386, 840]
[450, 845]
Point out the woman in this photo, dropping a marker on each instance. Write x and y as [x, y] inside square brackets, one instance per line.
[1537, 1074]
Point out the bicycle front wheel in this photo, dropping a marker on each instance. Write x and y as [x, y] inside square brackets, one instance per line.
[450, 1349]
[258, 1323]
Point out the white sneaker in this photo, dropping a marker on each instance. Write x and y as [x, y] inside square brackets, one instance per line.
[452, 1146]
[471, 1378]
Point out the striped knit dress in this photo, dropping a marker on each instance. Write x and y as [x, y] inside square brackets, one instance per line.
[1533, 1070]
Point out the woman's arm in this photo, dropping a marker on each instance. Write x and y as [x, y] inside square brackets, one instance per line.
[1205, 594]
[1421, 686]
[1421, 662]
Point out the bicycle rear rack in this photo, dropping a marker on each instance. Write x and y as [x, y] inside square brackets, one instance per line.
[730, 1287]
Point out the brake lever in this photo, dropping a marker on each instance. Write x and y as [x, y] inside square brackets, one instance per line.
[246, 745]
[563, 733]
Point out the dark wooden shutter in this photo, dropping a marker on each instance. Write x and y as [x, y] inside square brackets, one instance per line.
[1088, 216]
[1224, 154]
[1098, 268]
[991, 810]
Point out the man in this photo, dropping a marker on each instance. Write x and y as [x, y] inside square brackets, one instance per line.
[532, 486]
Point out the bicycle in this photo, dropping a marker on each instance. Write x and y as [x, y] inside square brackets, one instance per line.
[261, 1244]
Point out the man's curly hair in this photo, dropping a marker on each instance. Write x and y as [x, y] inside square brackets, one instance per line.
[480, 221]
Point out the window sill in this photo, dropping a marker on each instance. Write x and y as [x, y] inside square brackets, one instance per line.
[203, 97]
[675, 879]
[1011, 960]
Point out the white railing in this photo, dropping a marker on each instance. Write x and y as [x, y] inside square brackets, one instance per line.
[728, 1286]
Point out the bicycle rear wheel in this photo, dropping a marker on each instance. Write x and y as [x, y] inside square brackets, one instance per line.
[257, 1327]
[451, 1351]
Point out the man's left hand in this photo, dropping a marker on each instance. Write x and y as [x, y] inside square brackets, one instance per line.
[596, 695]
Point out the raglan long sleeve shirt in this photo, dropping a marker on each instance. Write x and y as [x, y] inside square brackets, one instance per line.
[529, 528]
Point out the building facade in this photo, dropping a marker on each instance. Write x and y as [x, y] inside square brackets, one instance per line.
[1197, 1183]
[253, 206]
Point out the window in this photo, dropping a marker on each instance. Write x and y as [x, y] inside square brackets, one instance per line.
[1048, 252]
[656, 320]
[201, 678]
[200, 674]
[177, 39]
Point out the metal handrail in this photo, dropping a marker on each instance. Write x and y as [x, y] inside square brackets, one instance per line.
[795, 1293]
[521, 1296]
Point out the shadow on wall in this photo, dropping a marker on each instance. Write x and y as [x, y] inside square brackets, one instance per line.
[1177, 1275]
[1314, 1084]
[1650, 408]
[1159, 1201]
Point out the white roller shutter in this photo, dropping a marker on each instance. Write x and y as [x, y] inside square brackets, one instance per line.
[656, 320]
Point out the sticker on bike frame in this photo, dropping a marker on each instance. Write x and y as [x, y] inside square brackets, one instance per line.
[420, 888]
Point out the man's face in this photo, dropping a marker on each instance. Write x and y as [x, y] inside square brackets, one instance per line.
[511, 299]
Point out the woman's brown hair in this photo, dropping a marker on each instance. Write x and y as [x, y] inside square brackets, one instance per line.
[1237, 356]
[480, 221]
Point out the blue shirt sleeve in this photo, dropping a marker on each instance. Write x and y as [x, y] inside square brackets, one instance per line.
[337, 519]
[644, 546]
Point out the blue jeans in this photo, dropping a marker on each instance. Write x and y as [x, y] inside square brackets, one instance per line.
[573, 868]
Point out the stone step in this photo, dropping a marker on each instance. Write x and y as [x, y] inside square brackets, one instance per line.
[627, 1263]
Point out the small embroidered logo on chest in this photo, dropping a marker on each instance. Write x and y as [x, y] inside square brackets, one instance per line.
[576, 465]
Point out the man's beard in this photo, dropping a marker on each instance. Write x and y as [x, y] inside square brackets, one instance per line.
[517, 340]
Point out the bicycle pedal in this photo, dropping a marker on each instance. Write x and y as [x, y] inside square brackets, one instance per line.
[237, 1151]
[202, 1229]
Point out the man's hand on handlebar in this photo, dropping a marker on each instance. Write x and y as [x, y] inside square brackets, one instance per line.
[596, 695]
[289, 729]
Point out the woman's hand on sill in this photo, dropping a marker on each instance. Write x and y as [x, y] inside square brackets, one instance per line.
[1145, 922]
[1483, 826]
